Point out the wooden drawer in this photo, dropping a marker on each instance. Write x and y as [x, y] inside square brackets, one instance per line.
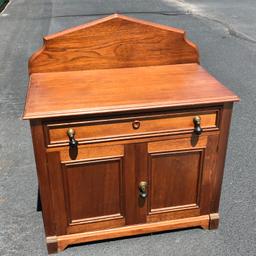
[110, 129]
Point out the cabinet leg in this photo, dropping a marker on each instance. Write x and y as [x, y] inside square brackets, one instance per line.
[53, 246]
[214, 220]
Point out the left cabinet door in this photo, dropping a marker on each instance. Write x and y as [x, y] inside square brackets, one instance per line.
[87, 185]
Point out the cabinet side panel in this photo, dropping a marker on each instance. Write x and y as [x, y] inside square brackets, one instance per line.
[43, 177]
[209, 171]
[56, 185]
[222, 147]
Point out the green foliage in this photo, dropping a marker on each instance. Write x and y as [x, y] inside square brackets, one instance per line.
[2, 3]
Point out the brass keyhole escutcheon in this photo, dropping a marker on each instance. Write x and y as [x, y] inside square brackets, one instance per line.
[136, 124]
[143, 189]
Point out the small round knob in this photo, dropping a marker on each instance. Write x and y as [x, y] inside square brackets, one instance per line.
[136, 124]
[71, 132]
[197, 123]
[72, 141]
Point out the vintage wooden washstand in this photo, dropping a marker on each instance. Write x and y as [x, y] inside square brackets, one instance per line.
[129, 132]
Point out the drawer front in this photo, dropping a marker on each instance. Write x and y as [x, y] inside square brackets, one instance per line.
[129, 127]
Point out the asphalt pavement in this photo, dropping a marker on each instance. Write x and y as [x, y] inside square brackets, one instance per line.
[225, 32]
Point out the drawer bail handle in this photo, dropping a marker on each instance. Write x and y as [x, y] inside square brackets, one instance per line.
[71, 135]
[143, 189]
[197, 123]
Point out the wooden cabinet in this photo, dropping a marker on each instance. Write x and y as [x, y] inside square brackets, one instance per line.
[101, 188]
[126, 142]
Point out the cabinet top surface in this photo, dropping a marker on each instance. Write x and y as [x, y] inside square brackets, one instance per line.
[57, 94]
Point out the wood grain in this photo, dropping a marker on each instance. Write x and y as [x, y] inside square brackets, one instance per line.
[217, 176]
[116, 41]
[57, 195]
[43, 177]
[131, 190]
[94, 175]
[130, 89]
[64, 241]
[168, 145]
[57, 133]
[174, 179]
[214, 221]
[93, 190]
[114, 90]
[180, 177]
[88, 153]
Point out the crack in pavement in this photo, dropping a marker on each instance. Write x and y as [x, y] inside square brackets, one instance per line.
[188, 9]
[131, 12]
[193, 10]
[231, 31]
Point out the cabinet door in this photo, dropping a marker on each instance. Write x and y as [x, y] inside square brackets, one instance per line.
[87, 187]
[179, 177]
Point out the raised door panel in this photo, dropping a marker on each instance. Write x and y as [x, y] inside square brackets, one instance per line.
[93, 190]
[174, 179]
[180, 172]
[89, 190]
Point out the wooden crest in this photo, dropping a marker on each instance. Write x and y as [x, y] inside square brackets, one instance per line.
[116, 41]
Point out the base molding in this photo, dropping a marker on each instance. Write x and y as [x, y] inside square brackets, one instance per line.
[59, 243]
